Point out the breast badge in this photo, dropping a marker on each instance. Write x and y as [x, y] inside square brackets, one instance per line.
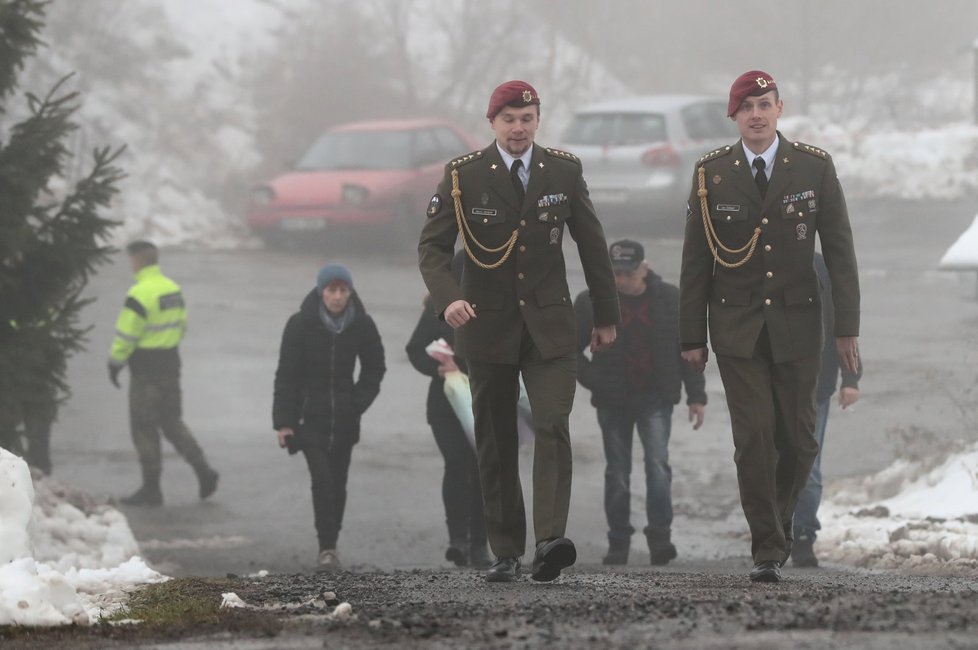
[554, 235]
[802, 231]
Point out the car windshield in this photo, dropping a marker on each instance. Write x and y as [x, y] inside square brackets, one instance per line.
[616, 129]
[358, 150]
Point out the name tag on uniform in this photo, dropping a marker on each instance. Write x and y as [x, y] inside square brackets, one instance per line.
[727, 207]
[484, 212]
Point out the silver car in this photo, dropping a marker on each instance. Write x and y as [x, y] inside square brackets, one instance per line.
[639, 152]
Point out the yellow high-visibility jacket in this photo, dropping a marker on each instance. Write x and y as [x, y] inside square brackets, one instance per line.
[154, 316]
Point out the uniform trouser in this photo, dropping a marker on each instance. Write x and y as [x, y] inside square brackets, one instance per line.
[155, 407]
[460, 488]
[806, 512]
[329, 469]
[772, 412]
[550, 386]
[37, 417]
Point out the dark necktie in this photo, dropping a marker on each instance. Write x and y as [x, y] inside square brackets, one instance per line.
[760, 177]
[514, 175]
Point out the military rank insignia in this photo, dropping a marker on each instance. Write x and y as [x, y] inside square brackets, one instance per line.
[434, 205]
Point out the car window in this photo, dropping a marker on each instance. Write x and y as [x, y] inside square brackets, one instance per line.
[707, 121]
[615, 129]
[358, 150]
[427, 150]
[450, 145]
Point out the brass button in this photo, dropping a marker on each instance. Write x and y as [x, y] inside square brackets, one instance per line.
[522, 248]
[563, 299]
[522, 222]
[723, 301]
[485, 221]
[770, 274]
[729, 217]
[520, 276]
[810, 299]
[801, 214]
[522, 303]
[767, 301]
[764, 221]
[473, 305]
[767, 247]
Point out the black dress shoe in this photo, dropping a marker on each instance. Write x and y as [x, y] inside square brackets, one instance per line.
[766, 571]
[504, 569]
[804, 555]
[147, 495]
[551, 556]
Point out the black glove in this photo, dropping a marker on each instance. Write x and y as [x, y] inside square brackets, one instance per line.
[114, 371]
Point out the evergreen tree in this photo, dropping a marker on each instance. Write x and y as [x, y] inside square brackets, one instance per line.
[51, 230]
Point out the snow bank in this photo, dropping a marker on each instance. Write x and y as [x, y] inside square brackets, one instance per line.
[63, 558]
[911, 516]
[963, 253]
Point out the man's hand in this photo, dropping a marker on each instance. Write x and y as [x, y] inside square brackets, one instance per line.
[114, 371]
[697, 358]
[697, 413]
[602, 338]
[847, 347]
[848, 396]
[283, 435]
[447, 366]
[459, 313]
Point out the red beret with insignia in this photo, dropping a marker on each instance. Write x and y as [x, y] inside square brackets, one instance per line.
[749, 84]
[514, 93]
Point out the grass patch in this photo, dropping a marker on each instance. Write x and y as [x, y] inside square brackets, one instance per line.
[181, 601]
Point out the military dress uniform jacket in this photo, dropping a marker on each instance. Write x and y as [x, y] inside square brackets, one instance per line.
[531, 286]
[778, 285]
[151, 325]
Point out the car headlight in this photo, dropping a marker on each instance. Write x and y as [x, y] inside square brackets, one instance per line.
[354, 194]
[262, 195]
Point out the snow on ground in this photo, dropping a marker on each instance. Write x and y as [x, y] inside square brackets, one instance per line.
[63, 558]
[911, 516]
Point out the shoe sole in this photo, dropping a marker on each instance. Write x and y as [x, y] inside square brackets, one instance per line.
[498, 577]
[561, 556]
[767, 576]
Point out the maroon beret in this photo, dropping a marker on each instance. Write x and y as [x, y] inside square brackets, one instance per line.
[749, 84]
[514, 93]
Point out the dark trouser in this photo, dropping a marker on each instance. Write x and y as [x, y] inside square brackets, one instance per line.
[460, 488]
[329, 469]
[550, 386]
[155, 407]
[772, 412]
[653, 420]
[806, 512]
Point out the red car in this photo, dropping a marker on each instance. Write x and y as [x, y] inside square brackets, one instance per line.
[367, 178]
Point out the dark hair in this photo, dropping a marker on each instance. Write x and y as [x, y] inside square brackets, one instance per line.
[144, 252]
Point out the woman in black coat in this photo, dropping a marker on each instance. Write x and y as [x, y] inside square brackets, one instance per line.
[461, 491]
[318, 402]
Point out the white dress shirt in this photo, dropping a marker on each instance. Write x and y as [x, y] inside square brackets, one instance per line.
[527, 156]
[768, 157]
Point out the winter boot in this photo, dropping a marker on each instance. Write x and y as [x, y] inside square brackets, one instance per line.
[207, 478]
[328, 561]
[661, 549]
[803, 554]
[148, 495]
[456, 552]
[617, 551]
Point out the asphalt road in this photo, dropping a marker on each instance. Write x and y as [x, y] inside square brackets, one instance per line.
[918, 342]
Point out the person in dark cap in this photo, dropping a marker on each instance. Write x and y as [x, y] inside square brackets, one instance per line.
[511, 203]
[754, 211]
[147, 335]
[634, 385]
[319, 399]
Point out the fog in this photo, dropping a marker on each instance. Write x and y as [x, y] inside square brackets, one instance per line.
[212, 97]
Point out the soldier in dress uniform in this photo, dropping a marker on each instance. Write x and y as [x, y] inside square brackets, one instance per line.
[748, 276]
[511, 203]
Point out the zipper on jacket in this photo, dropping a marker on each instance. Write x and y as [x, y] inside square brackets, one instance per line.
[332, 391]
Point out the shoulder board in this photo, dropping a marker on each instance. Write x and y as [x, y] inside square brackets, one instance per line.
[716, 153]
[461, 160]
[566, 155]
[807, 148]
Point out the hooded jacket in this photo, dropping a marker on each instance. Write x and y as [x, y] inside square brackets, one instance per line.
[316, 393]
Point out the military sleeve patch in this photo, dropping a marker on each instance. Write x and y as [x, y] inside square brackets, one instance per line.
[434, 205]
